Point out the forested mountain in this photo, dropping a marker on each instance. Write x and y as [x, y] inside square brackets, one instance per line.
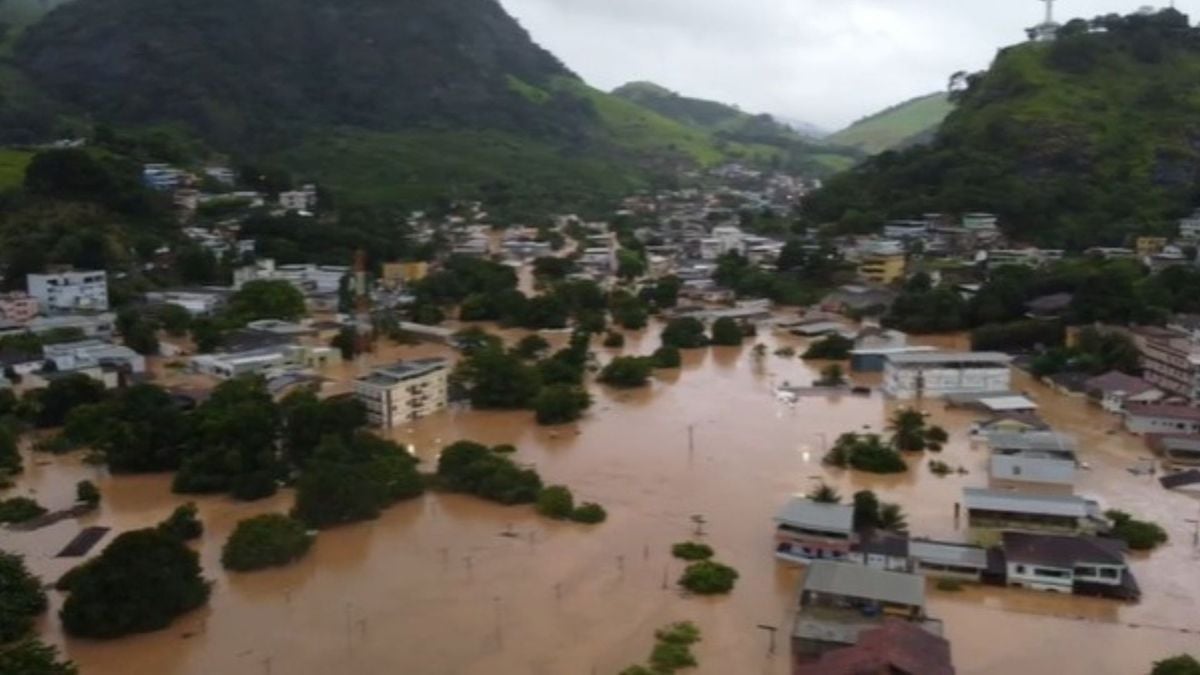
[729, 123]
[915, 120]
[1081, 141]
[384, 100]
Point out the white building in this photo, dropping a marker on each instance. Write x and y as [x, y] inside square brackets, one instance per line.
[404, 391]
[934, 374]
[265, 361]
[197, 303]
[69, 356]
[1189, 228]
[221, 174]
[1061, 564]
[303, 200]
[307, 278]
[70, 291]
[730, 239]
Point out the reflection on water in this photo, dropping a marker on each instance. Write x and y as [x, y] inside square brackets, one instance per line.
[448, 584]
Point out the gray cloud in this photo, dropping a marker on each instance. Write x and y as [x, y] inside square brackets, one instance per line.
[825, 61]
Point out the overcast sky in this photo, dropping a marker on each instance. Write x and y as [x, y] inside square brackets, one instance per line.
[828, 62]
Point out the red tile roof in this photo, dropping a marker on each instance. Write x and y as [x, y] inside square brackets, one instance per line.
[896, 648]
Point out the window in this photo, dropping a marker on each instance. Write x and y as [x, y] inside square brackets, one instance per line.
[1108, 573]
[1020, 569]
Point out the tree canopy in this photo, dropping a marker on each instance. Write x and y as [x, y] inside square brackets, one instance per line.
[269, 540]
[139, 583]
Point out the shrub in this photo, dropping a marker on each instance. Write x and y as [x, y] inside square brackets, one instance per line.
[832, 348]
[785, 352]
[1184, 664]
[87, 492]
[686, 333]
[532, 346]
[667, 358]
[140, 583]
[668, 657]
[555, 501]
[831, 376]
[561, 403]
[182, 524]
[34, 657]
[691, 551]
[1139, 535]
[708, 578]
[940, 468]
[865, 453]
[269, 540]
[21, 598]
[614, 340]
[627, 372]
[671, 652]
[589, 513]
[19, 510]
[727, 333]
[949, 585]
[474, 469]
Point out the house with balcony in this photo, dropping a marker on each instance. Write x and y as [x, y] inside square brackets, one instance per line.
[1042, 461]
[1114, 389]
[408, 390]
[999, 510]
[839, 602]
[807, 530]
[1143, 418]
[1068, 564]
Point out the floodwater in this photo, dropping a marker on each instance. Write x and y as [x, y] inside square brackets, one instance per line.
[452, 585]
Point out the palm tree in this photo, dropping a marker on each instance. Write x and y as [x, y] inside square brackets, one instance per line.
[908, 430]
[935, 438]
[892, 518]
[824, 494]
[832, 376]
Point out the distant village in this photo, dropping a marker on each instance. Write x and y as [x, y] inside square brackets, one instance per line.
[1026, 527]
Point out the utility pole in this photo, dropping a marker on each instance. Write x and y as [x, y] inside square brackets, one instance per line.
[771, 630]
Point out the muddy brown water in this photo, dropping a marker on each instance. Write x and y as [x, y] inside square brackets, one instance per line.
[453, 585]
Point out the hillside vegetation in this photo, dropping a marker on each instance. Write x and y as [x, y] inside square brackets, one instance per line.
[897, 126]
[1078, 142]
[393, 101]
[728, 124]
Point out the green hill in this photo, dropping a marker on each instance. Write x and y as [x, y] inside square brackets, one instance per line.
[730, 124]
[897, 125]
[385, 100]
[1077, 142]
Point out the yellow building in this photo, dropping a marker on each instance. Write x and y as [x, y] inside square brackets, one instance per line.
[396, 273]
[1147, 246]
[882, 269]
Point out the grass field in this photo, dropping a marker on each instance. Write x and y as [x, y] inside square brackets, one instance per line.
[895, 125]
[12, 167]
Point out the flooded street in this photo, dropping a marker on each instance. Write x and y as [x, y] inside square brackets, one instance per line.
[453, 585]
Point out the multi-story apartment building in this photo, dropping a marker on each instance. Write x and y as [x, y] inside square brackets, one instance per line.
[70, 291]
[934, 374]
[1169, 360]
[18, 307]
[404, 391]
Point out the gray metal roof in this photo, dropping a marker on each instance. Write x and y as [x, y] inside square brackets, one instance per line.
[1032, 469]
[940, 358]
[1046, 505]
[1031, 440]
[860, 581]
[805, 513]
[940, 553]
[401, 371]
